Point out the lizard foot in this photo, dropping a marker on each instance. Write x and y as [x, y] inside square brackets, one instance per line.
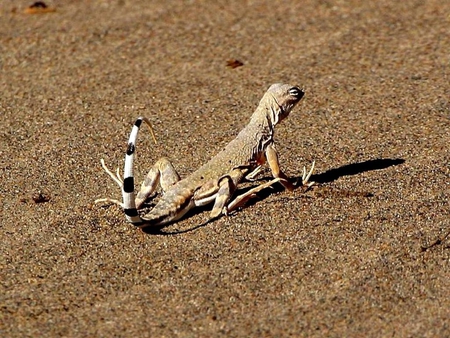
[116, 177]
[109, 200]
[307, 176]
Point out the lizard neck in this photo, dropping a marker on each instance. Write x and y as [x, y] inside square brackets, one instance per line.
[262, 130]
[268, 113]
[265, 117]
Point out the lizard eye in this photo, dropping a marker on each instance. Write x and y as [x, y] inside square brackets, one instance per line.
[294, 91]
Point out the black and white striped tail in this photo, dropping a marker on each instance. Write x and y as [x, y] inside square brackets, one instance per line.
[129, 204]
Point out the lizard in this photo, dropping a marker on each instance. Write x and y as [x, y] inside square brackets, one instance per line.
[217, 180]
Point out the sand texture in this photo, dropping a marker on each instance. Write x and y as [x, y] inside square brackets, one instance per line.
[366, 252]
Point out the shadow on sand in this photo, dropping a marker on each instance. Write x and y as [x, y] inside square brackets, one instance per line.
[355, 168]
[326, 177]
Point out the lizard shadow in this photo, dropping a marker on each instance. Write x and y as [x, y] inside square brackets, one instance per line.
[330, 176]
[158, 230]
[355, 168]
[325, 177]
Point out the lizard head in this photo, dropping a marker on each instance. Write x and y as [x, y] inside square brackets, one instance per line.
[282, 98]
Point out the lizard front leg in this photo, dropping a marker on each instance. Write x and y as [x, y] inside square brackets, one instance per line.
[272, 159]
[274, 164]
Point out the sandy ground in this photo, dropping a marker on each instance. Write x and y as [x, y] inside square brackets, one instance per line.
[366, 252]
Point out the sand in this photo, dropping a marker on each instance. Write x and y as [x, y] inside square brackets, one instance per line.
[366, 252]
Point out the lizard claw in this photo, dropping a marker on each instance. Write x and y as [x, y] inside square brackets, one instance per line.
[306, 177]
[115, 177]
[109, 200]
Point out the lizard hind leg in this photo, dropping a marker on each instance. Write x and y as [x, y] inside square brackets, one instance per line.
[164, 173]
[227, 187]
[241, 200]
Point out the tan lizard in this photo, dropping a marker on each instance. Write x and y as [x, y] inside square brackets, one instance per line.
[217, 180]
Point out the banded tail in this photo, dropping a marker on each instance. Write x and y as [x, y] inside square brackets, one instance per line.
[129, 205]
